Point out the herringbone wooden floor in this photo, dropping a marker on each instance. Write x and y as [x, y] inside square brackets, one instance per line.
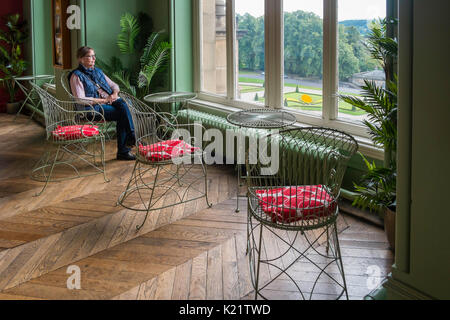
[182, 252]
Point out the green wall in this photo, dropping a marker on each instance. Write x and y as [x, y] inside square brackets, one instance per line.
[103, 23]
[39, 47]
[160, 14]
[176, 18]
[423, 220]
[182, 38]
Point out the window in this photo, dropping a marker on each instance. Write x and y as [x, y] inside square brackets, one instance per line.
[355, 62]
[293, 54]
[303, 56]
[250, 53]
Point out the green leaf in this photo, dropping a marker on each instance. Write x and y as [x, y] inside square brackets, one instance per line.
[123, 80]
[4, 54]
[130, 29]
[152, 39]
[156, 59]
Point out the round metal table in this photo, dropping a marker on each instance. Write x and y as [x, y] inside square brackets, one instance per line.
[261, 118]
[28, 92]
[170, 97]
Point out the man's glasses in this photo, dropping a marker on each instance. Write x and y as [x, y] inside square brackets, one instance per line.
[92, 57]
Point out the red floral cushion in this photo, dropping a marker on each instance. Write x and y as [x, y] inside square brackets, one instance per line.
[289, 204]
[75, 132]
[166, 150]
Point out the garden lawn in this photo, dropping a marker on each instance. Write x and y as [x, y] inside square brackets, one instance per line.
[316, 104]
[247, 89]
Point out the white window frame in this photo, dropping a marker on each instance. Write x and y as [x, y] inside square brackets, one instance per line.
[274, 62]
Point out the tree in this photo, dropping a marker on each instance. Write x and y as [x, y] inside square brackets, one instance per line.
[256, 97]
[303, 45]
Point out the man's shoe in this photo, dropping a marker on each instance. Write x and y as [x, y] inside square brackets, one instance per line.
[126, 156]
[131, 142]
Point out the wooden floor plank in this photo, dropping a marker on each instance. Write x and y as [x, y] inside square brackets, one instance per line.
[54, 293]
[197, 287]
[230, 271]
[24, 270]
[4, 296]
[245, 285]
[272, 252]
[182, 281]
[164, 286]
[180, 232]
[214, 284]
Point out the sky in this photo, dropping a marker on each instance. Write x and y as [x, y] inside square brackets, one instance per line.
[348, 9]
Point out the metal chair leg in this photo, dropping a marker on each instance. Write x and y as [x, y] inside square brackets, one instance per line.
[50, 173]
[205, 173]
[259, 262]
[123, 196]
[138, 227]
[238, 186]
[339, 258]
[103, 159]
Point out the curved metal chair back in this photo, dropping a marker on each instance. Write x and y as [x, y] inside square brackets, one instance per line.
[65, 82]
[150, 126]
[56, 113]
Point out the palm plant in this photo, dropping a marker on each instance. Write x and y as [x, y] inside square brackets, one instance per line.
[11, 62]
[381, 47]
[380, 104]
[152, 56]
[377, 189]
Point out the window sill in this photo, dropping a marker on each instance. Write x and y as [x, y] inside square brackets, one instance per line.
[366, 146]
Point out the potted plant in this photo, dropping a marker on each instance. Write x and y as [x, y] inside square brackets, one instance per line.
[377, 191]
[11, 63]
[150, 53]
[377, 188]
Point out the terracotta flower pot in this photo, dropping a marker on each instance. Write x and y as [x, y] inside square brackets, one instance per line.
[12, 107]
[389, 227]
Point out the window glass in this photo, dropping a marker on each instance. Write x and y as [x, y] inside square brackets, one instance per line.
[250, 50]
[214, 47]
[355, 61]
[303, 55]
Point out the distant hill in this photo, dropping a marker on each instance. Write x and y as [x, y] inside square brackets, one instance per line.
[361, 25]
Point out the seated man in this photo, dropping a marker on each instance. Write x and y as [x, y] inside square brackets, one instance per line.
[90, 83]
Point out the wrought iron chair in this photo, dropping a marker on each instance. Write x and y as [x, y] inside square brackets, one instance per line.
[72, 140]
[106, 126]
[293, 212]
[163, 173]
